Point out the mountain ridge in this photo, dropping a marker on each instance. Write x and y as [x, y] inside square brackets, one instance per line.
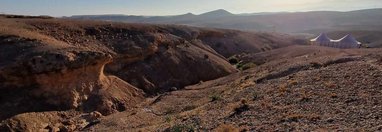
[217, 13]
[292, 22]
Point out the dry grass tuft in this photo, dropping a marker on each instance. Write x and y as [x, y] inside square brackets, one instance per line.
[215, 97]
[292, 82]
[283, 88]
[299, 117]
[333, 95]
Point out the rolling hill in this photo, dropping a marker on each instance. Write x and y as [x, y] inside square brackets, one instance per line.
[286, 22]
[365, 25]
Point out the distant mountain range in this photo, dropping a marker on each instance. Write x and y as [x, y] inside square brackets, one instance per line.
[286, 22]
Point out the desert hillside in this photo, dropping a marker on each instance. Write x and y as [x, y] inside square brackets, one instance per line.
[66, 74]
[298, 88]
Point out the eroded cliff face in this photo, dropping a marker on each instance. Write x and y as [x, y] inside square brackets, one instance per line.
[158, 58]
[63, 78]
[68, 85]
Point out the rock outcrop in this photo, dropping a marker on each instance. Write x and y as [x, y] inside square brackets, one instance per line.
[61, 78]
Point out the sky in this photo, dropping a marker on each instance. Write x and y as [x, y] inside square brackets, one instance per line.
[175, 7]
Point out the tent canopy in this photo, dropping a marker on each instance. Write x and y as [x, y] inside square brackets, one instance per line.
[322, 38]
[349, 39]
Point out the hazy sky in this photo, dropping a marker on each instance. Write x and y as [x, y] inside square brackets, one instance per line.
[173, 7]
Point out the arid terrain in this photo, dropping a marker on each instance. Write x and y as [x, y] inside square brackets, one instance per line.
[319, 89]
[83, 75]
[50, 64]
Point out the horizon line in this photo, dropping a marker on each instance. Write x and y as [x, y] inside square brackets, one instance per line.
[241, 13]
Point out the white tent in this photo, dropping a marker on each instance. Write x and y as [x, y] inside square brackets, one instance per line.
[322, 40]
[347, 42]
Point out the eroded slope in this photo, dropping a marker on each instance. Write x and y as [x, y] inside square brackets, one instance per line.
[147, 56]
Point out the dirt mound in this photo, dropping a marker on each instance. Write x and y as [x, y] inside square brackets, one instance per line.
[322, 89]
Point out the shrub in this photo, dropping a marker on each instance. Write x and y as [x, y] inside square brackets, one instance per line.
[255, 95]
[247, 66]
[168, 119]
[233, 60]
[243, 66]
[283, 88]
[243, 107]
[239, 65]
[189, 107]
[243, 101]
[215, 97]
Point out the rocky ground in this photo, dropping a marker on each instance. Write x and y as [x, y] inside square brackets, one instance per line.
[323, 90]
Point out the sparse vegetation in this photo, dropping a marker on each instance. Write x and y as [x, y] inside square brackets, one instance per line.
[292, 82]
[242, 107]
[189, 107]
[243, 101]
[248, 66]
[233, 60]
[215, 97]
[255, 95]
[168, 119]
[304, 96]
[244, 66]
[283, 88]
[240, 64]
